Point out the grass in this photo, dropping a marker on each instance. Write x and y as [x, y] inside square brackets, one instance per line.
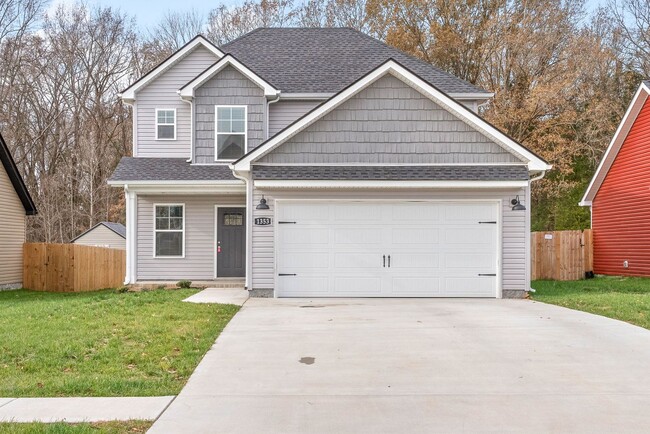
[135, 426]
[623, 298]
[103, 343]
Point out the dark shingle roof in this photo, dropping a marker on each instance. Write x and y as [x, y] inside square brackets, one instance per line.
[16, 180]
[168, 169]
[118, 228]
[428, 173]
[326, 60]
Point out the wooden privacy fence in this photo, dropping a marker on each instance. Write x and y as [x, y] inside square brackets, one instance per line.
[72, 267]
[561, 255]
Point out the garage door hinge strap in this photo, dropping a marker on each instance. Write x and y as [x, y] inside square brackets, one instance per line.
[286, 223]
[487, 223]
[286, 274]
[486, 274]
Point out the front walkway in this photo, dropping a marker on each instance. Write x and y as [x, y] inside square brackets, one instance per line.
[81, 409]
[418, 365]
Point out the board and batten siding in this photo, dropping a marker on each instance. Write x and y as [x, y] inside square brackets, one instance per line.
[283, 113]
[102, 236]
[162, 93]
[198, 263]
[513, 228]
[389, 122]
[228, 87]
[12, 234]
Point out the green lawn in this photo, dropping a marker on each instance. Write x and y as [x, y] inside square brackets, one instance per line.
[623, 298]
[75, 428]
[103, 343]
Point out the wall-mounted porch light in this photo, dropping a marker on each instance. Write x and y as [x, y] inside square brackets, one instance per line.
[262, 204]
[516, 204]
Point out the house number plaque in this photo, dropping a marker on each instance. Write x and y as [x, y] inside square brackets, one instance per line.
[262, 221]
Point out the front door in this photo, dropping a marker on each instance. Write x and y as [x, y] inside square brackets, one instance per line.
[231, 242]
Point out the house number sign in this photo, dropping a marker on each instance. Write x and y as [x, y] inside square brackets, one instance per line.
[262, 221]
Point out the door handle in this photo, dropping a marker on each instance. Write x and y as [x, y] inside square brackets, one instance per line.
[388, 261]
[384, 261]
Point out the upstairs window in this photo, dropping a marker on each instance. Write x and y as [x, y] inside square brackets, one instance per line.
[165, 124]
[230, 132]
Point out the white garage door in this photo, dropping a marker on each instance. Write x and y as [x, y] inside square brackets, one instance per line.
[380, 249]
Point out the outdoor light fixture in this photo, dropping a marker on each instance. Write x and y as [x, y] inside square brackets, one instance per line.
[263, 205]
[516, 204]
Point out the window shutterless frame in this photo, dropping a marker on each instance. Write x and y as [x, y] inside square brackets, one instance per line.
[155, 231]
[157, 124]
[217, 132]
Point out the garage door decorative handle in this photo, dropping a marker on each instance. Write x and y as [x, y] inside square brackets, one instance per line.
[384, 261]
[487, 223]
[287, 274]
[388, 261]
[487, 274]
[286, 223]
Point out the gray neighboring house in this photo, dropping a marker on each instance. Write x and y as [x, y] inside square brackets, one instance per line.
[322, 163]
[103, 234]
[15, 205]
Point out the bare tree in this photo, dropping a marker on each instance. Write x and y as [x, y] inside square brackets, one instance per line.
[176, 29]
[633, 18]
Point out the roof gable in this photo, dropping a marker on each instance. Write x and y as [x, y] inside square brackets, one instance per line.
[187, 91]
[326, 60]
[534, 162]
[638, 101]
[117, 228]
[128, 94]
[15, 178]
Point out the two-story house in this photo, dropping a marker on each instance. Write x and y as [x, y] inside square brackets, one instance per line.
[322, 162]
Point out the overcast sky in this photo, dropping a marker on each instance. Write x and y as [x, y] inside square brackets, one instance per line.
[148, 15]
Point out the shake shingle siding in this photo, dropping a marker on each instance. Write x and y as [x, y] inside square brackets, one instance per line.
[389, 122]
[228, 87]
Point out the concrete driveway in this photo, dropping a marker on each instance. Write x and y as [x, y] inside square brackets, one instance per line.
[418, 365]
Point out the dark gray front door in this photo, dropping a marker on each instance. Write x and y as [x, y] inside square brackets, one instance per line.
[231, 242]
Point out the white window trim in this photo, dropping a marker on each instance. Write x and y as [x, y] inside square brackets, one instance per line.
[216, 130]
[155, 231]
[157, 124]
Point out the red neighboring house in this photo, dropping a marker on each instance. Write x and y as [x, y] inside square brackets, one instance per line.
[619, 195]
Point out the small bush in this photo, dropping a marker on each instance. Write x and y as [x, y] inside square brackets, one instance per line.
[184, 284]
[122, 289]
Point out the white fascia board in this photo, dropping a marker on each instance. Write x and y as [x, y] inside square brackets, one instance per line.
[471, 96]
[182, 187]
[614, 146]
[187, 91]
[307, 96]
[306, 184]
[533, 162]
[128, 95]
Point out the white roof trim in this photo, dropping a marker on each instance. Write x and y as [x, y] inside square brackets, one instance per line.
[128, 95]
[318, 183]
[187, 91]
[471, 96]
[620, 135]
[533, 162]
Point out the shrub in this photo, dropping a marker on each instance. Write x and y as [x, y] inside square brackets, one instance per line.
[122, 289]
[184, 284]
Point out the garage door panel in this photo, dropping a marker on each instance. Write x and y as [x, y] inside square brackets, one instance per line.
[357, 286]
[415, 236]
[357, 260]
[299, 235]
[455, 236]
[437, 249]
[305, 213]
[415, 287]
[357, 235]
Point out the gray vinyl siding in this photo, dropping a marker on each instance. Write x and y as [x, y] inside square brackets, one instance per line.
[283, 113]
[228, 87]
[102, 236]
[12, 233]
[162, 93]
[514, 228]
[389, 122]
[198, 263]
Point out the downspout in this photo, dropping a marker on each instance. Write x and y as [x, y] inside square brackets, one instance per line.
[189, 101]
[268, 113]
[249, 224]
[528, 243]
